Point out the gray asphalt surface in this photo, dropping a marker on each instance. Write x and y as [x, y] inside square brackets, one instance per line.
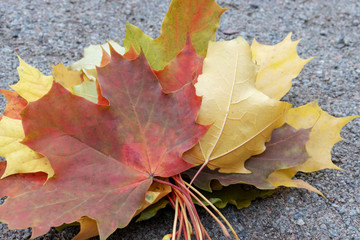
[46, 31]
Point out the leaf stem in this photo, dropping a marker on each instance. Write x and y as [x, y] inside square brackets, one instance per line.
[215, 208]
[175, 218]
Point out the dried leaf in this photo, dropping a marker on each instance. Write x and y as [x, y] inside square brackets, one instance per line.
[183, 69]
[106, 154]
[324, 134]
[33, 84]
[18, 184]
[148, 209]
[88, 229]
[87, 90]
[279, 64]
[242, 117]
[197, 19]
[239, 195]
[152, 210]
[20, 158]
[156, 192]
[285, 149]
[93, 56]
[15, 104]
[284, 178]
[66, 77]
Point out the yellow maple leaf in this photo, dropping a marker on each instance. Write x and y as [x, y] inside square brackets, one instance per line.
[32, 84]
[324, 134]
[92, 58]
[284, 178]
[20, 158]
[67, 78]
[242, 117]
[279, 64]
[87, 90]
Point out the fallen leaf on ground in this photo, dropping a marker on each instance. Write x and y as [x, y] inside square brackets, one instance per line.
[15, 104]
[183, 69]
[196, 19]
[20, 158]
[285, 149]
[239, 195]
[67, 78]
[148, 209]
[87, 90]
[125, 136]
[324, 134]
[33, 84]
[279, 64]
[18, 184]
[242, 117]
[152, 210]
[92, 58]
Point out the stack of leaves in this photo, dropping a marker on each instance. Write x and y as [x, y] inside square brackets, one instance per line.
[179, 120]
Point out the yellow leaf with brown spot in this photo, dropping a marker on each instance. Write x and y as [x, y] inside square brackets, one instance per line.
[20, 158]
[156, 192]
[324, 134]
[33, 84]
[242, 117]
[67, 78]
[279, 64]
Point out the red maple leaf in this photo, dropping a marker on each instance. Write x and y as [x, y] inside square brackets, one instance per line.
[183, 69]
[15, 104]
[17, 184]
[105, 157]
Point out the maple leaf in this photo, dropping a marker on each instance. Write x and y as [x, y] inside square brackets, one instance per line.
[242, 117]
[156, 192]
[33, 84]
[88, 228]
[18, 184]
[93, 55]
[20, 158]
[240, 195]
[285, 149]
[279, 64]
[15, 104]
[183, 69]
[152, 210]
[87, 89]
[67, 78]
[148, 209]
[196, 19]
[105, 154]
[324, 134]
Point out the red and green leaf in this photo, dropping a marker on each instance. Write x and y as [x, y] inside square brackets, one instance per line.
[183, 69]
[197, 19]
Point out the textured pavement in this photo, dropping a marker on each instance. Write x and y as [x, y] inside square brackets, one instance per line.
[44, 32]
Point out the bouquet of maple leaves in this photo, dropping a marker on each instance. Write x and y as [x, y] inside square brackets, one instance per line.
[179, 120]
